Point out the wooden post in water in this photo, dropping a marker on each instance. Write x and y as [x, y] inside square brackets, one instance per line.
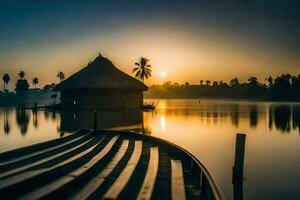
[95, 120]
[238, 167]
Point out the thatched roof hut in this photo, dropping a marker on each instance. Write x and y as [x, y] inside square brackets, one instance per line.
[101, 74]
[101, 85]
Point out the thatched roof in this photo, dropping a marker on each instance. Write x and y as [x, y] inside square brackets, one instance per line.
[101, 74]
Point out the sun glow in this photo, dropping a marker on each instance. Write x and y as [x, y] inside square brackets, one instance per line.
[163, 74]
[163, 123]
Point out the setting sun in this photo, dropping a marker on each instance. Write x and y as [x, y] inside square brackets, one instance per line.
[163, 74]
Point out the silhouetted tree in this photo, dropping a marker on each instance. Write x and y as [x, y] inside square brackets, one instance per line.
[256, 89]
[167, 84]
[35, 81]
[215, 83]
[142, 70]
[61, 76]
[21, 75]
[284, 88]
[21, 86]
[281, 88]
[176, 84]
[253, 81]
[270, 80]
[6, 79]
[296, 87]
[234, 82]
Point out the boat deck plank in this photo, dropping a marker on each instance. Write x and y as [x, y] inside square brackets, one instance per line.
[178, 186]
[26, 173]
[96, 181]
[124, 177]
[150, 178]
[51, 148]
[102, 165]
[69, 177]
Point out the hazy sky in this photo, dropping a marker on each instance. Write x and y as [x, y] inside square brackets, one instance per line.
[188, 40]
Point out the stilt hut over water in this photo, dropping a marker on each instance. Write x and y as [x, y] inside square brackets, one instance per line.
[101, 85]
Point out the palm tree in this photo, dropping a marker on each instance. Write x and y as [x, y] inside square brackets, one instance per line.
[142, 70]
[61, 76]
[207, 82]
[5, 79]
[21, 74]
[201, 82]
[35, 81]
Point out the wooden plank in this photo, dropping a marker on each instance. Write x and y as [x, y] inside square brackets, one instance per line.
[177, 180]
[29, 165]
[150, 178]
[12, 154]
[97, 181]
[71, 176]
[28, 174]
[42, 151]
[117, 187]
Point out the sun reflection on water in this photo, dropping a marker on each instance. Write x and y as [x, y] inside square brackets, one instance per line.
[163, 123]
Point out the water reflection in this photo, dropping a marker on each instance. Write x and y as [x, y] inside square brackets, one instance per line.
[281, 117]
[105, 119]
[6, 125]
[194, 126]
[253, 116]
[296, 118]
[22, 119]
[163, 123]
[35, 119]
[235, 115]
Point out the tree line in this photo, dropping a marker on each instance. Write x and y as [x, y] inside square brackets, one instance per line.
[22, 84]
[282, 88]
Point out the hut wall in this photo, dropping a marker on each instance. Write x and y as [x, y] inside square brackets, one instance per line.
[102, 99]
[74, 120]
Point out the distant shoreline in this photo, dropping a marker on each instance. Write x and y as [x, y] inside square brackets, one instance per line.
[224, 99]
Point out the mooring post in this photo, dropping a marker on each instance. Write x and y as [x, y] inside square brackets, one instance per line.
[95, 120]
[238, 167]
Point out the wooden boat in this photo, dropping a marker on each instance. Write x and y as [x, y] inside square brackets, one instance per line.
[148, 107]
[104, 165]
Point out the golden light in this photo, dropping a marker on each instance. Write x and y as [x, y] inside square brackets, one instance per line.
[163, 123]
[163, 74]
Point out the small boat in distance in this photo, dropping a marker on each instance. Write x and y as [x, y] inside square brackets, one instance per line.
[149, 107]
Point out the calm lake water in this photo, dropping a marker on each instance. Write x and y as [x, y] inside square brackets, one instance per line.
[207, 129]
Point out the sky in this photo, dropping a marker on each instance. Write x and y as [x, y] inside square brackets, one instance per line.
[184, 40]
